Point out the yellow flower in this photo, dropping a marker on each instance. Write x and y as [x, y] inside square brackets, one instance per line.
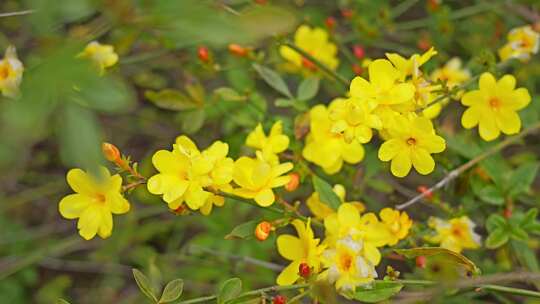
[276, 142]
[493, 106]
[452, 72]
[522, 42]
[408, 67]
[456, 234]
[354, 119]
[348, 224]
[325, 148]
[94, 202]
[347, 266]
[411, 145]
[314, 42]
[256, 178]
[322, 210]
[398, 223]
[102, 54]
[11, 71]
[302, 249]
[185, 174]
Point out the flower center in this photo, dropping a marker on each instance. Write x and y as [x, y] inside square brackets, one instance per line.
[411, 141]
[100, 198]
[457, 232]
[494, 103]
[346, 261]
[4, 72]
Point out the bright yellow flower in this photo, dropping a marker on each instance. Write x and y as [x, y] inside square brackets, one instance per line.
[522, 42]
[354, 119]
[493, 107]
[322, 210]
[348, 224]
[452, 72]
[456, 234]
[94, 202]
[276, 142]
[347, 266]
[256, 178]
[302, 249]
[409, 67]
[314, 42]
[103, 55]
[185, 174]
[325, 148]
[398, 223]
[411, 144]
[11, 72]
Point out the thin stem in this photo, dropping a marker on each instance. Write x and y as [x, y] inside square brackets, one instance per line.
[252, 293]
[20, 13]
[402, 8]
[456, 172]
[299, 296]
[320, 65]
[511, 290]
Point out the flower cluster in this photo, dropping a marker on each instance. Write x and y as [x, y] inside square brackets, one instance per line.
[349, 253]
[522, 43]
[455, 234]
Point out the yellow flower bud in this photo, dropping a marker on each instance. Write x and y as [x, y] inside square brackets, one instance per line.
[110, 152]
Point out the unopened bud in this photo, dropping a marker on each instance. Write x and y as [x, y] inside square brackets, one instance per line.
[421, 261]
[293, 182]
[110, 152]
[347, 13]
[203, 54]
[238, 50]
[304, 270]
[279, 299]
[262, 231]
[330, 22]
[308, 64]
[425, 190]
[358, 51]
[357, 69]
[507, 213]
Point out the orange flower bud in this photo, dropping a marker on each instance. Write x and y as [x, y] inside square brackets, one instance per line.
[358, 51]
[424, 44]
[238, 50]
[507, 213]
[110, 152]
[425, 190]
[347, 13]
[308, 64]
[421, 261]
[304, 270]
[203, 53]
[357, 69]
[293, 183]
[330, 22]
[262, 231]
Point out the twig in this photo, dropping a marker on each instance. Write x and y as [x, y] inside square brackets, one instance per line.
[320, 65]
[402, 8]
[456, 172]
[240, 258]
[19, 13]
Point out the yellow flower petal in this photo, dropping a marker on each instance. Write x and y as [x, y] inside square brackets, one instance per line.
[290, 247]
[89, 222]
[470, 118]
[422, 161]
[508, 122]
[73, 205]
[488, 128]
[401, 164]
[80, 182]
[265, 197]
[389, 149]
[289, 275]
[487, 82]
[117, 203]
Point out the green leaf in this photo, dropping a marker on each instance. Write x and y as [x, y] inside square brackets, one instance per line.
[192, 121]
[107, 94]
[529, 218]
[525, 254]
[242, 231]
[170, 99]
[326, 193]
[144, 284]
[521, 179]
[308, 88]
[490, 194]
[497, 238]
[495, 221]
[229, 290]
[518, 233]
[449, 255]
[378, 291]
[62, 301]
[173, 291]
[273, 79]
[229, 94]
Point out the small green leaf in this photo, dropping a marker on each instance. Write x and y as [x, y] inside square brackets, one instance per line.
[495, 221]
[173, 290]
[378, 291]
[326, 193]
[192, 121]
[308, 88]
[242, 231]
[229, 94]
[144, 284]
[170, 99]
[497, 238]
[490, 194]
[521, 179]
[284, 102]
[62, 301]
[449, 255]
[518, 233]
[529, 218]
[229, 290]
[273, 79]
[525, 254]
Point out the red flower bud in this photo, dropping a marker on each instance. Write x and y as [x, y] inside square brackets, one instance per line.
[330, 22]
[357, 69]
[308, 64]
[425, 190]
[304, 270]
[238, 50]
[279, 299]
[293, 183]
[358, 51]
[262, 231]
[203, 53]
[421, 261]
[507, 213]
[347, 13]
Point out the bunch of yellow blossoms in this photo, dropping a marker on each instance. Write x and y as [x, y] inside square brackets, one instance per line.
[522, 42]
[348, 255]
[455, 234]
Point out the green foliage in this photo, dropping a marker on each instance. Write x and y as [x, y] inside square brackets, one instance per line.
[229, 290]
[377, 292]
[172, 291]
[326, 193]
